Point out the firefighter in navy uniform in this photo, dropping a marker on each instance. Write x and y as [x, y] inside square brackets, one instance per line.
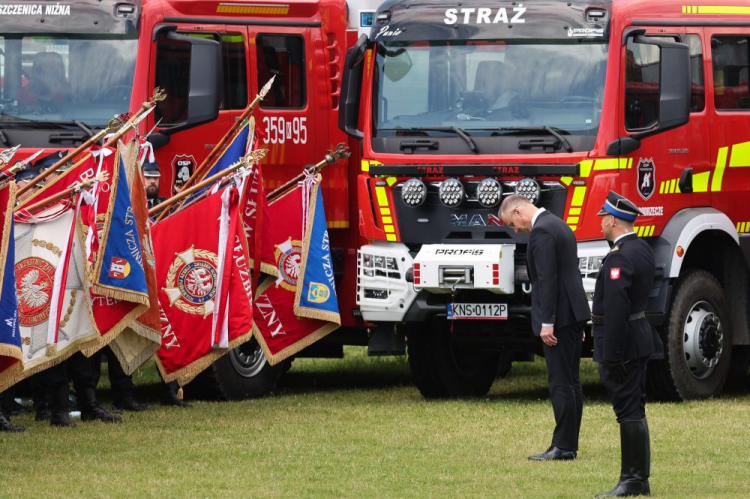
[624, 339]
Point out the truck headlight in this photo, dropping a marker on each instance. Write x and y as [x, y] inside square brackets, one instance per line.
[529, 189]
[489, 192]
[413, 192]
[451, 192]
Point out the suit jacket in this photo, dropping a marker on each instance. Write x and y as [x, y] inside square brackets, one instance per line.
[151, 202]
[557, 295]
[622, 288]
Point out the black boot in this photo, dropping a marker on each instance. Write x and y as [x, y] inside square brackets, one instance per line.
[169, 395]
[59, 407]
[91, 410]
[636, 460]
[5, 425]
[128, 402]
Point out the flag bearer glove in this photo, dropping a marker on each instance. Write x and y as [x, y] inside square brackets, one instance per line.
[616, 369]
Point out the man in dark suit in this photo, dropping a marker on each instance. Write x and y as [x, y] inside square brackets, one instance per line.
[559, 311]
[624, 339]
[151, 180]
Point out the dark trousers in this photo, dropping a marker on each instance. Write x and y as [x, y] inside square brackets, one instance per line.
[628, 397]
[122, 384]
[565, 392]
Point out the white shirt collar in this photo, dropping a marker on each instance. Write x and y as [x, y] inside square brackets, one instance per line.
[536, 215]
[620, 237]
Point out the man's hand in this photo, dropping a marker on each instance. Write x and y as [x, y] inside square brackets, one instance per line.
[616, 370]
[548, 336]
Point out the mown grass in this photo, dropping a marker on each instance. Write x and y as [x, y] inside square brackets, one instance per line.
[357, 428]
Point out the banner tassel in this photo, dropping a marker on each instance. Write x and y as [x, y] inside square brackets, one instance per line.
[179, 393]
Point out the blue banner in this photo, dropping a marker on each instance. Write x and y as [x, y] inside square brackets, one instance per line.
[10, 334]
[316, 295]
[121, 255]
[230, 156]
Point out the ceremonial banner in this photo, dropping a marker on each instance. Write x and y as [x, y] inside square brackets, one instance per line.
[237, 148]
[40, 249]
[187, 251]
[255, 220]
[10, 335]
[300, 307]
[142, 338]
[81, 170]
[119, 290]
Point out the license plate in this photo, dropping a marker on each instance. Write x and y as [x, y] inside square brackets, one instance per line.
[477, 311]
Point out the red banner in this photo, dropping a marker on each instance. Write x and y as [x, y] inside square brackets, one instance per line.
[187, 252]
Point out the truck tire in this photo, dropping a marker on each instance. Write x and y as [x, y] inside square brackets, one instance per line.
[698, 342]
[441, 369]
[242, 373]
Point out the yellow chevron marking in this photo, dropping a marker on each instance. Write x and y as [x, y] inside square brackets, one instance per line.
[721, 9]
[573, 227]
[572, 220]
[390, 237]
[700, 181]
[365, 165]
[382, 196]
[586, 167]
[740, 155]
[387, 220]
[391, 181]
[389, 228]
[721, 163]
[574, 211]
[385, 211]
[566, 180]
[579, 194]
[661, 188]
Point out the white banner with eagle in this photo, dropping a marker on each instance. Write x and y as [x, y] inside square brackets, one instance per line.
[39, 250]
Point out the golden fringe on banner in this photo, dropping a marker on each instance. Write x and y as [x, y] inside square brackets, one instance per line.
[188, 373]
[133, 353]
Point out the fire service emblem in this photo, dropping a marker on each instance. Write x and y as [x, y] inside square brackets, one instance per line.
[191, 281]
[289, 263]
[646, 177]
[34, 279]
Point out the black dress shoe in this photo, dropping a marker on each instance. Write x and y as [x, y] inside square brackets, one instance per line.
[6, 425]
[96, 412]
[130, 404]
[555, 454]
[175, 402]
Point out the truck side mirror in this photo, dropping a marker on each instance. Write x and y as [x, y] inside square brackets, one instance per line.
[205, 88]
[674, 92]
[351, 88]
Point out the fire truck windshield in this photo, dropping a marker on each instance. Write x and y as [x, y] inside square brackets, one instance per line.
[55, 78]
[486, 87]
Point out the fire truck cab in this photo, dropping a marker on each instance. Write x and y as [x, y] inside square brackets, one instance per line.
[457, 105]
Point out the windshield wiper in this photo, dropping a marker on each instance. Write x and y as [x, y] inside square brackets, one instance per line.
[458, 131]
[555, 132]
[83, 126]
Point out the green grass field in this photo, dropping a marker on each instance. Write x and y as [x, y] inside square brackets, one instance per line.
[358, 428]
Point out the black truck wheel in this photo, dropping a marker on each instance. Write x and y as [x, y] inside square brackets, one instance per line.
[698, 344]
[442, 369]
[242, 373]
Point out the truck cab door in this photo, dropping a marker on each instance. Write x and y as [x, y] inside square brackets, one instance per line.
[653, 171]
[179, 150]
[285, 118]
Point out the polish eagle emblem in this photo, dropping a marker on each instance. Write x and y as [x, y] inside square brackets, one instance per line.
[289, 263]
[34, 278]
[192, 280]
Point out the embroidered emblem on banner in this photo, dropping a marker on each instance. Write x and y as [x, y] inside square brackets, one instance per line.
[119, 268]
[34, 278]
[191, 281]
[614, 273]
[289, 263]
[318, 293]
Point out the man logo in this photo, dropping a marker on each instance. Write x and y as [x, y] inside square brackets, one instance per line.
[318, 293]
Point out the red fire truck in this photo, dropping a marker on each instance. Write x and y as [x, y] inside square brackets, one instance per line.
[457, 104]
[66, 68]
